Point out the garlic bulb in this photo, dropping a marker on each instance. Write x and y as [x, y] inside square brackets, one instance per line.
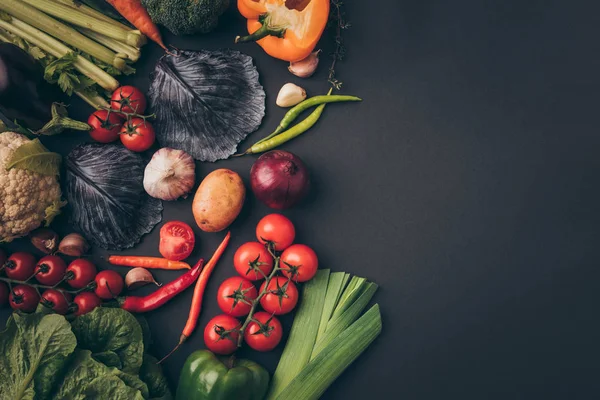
[306, 67]
[290, 95]
[170, 174]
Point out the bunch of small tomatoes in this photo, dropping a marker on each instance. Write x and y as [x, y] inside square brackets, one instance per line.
[75, 288]
[268, 271]
[124, 120]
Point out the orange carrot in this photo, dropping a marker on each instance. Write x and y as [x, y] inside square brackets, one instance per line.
[134, 12]
[147, 262]
[199, 293]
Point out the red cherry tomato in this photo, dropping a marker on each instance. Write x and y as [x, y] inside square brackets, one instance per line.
[56, 300]
[109, 284]
[281, 296]
[24, 298]
[3, 294]
[221, 334]
[276, 229]
[128, 99]
[176, 241]
[137, 135]
[235, 296]
[263, 336]
[50, 270]
[105, 126]
[252, 258]
[86, 302]
[299, 263]
[20, 266]
[80, 273]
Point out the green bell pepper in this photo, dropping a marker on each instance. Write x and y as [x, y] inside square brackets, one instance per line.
[205, 377]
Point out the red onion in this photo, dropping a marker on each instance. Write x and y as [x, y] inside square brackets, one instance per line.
[279, 179]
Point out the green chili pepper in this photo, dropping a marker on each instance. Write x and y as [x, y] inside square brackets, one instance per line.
[295, 111]
[291, 133]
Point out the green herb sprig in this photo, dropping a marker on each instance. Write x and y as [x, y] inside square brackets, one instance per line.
[339, 22]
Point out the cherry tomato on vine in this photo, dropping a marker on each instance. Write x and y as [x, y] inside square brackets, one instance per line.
[235, 296]
[276, 229]
[137, 135]
[20, 266]
[109, 284]
[265, 335]
[50, 270]
[221, 334]
[250, 259]
[24, 298]
[86, 302]
[299, 263]
[105, 126]
[177, 241]
[56, 300]
[128, 99]
[3, 294]
[281, 296]
[80, 273]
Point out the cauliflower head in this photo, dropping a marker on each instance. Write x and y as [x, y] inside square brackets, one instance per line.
[26, 198]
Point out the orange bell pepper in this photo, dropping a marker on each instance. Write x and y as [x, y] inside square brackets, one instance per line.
[289, 34]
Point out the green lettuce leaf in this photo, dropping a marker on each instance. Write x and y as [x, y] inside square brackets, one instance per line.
[151, 373]
[33, 156]
[88, 379]
[113, 336]
[35, 349]
[133, 381]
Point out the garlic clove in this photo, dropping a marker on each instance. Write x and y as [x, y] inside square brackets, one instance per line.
[290, 95]
[139, 277]
[73, 245]
[45, 240]
[306, 67]
[170, 174]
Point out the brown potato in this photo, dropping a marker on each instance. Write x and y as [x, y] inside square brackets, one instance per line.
[218, 200]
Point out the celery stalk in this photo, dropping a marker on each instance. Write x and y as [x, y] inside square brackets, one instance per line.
[94, 13]
[317, 375]
[76, 17]
[60, 31]
[131, 52]
[96, 101]
[57, 49]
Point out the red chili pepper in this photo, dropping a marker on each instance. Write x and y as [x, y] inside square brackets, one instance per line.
[166, 292]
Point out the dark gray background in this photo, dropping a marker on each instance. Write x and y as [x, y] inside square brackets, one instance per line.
[465, 184]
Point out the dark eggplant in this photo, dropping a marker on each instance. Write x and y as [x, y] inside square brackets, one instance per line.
[24, 94]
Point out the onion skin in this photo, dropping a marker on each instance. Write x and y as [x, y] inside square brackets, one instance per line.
[279, 179]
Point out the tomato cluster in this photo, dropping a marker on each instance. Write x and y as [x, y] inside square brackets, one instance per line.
[123, 121]
[30, 282]
[280, 264]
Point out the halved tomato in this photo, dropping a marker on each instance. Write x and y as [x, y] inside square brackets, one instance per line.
[177, 241]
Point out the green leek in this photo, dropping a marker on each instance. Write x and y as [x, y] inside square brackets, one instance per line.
[329, 330]
[60, 31]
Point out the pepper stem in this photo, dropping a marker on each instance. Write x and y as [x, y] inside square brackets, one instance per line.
[60, 121]
[265, 30]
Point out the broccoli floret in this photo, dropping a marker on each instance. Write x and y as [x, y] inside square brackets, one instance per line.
[184, 17]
